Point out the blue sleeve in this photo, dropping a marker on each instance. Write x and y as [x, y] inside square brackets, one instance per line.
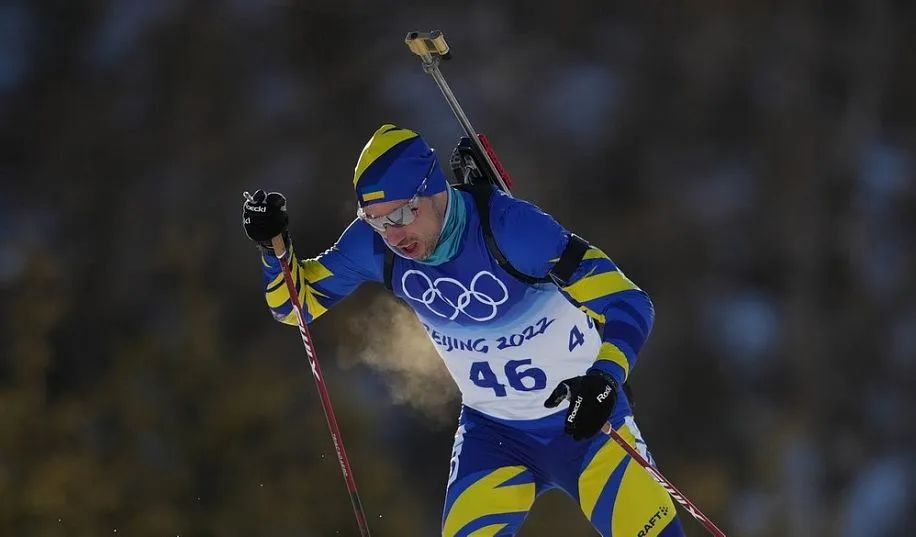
[321, 282]
[533, 242]
[529, 237]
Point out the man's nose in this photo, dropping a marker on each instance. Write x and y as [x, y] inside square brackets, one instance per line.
[394, 234]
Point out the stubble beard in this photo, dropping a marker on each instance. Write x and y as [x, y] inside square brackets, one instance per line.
[430, 245]
[430, 248]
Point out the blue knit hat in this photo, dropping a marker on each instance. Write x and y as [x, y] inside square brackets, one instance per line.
[393, 165]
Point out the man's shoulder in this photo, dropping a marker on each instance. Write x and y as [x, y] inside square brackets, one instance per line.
[359, 236]
[528, 236]
[508, 210]
[362, 247]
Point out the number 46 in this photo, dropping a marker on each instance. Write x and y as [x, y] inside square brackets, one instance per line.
[482, 375]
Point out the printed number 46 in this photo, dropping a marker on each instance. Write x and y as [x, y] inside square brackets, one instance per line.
[523, 380]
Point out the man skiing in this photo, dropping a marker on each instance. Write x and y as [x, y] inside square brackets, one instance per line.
[525, 316]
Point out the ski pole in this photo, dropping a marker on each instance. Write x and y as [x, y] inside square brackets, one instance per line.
[431, 48]
[667, 485]
[283, 255]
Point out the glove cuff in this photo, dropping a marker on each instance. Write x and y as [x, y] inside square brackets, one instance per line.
[594, 371]
[267, 248]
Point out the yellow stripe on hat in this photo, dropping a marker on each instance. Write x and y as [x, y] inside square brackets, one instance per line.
[384, 139]
[377, 195]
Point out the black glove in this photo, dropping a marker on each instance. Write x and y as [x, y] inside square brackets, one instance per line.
[264, 217]
[591, 400]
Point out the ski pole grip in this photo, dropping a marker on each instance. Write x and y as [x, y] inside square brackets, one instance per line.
[428, 44]
[279, 245]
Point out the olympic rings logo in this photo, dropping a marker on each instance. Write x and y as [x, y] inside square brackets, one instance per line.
[463, 296]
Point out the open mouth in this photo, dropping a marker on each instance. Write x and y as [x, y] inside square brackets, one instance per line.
[411, 248]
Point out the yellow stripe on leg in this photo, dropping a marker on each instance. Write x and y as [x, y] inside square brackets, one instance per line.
[642, 506]
[486, 497]
[488, 531]
[596, 475]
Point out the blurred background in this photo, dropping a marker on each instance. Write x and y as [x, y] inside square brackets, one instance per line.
[749, 164]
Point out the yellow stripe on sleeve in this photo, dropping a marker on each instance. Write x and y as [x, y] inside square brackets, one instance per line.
[612, 353]
[591, 253]
[311, 301]
[313, 271]
[308, 272]
[308, 297]
[593, 314]
[598, 285]
[294, 272]
[272, 286]
[277, 297]
[594, 253]
[290, 318]
[278, 294]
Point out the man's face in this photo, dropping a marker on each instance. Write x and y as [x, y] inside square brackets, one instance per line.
[418, 239]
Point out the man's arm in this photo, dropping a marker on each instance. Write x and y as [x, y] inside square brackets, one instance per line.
[602, 291]
[533, 242]
[326, 279]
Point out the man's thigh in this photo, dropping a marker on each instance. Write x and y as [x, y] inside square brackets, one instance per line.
[617, 494]
[490, 488]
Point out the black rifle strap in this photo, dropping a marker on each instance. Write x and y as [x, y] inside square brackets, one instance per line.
[569, 260]
[482, 192]
[561, 272]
